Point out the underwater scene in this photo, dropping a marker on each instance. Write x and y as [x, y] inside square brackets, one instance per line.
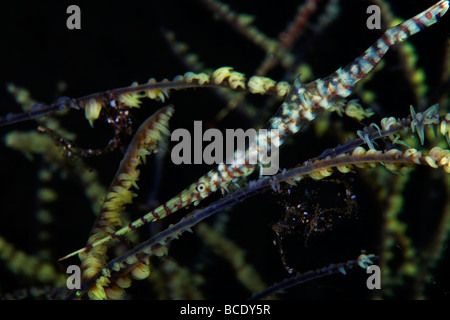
[126, 134]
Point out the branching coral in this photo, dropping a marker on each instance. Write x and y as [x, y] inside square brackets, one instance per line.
[66, 161]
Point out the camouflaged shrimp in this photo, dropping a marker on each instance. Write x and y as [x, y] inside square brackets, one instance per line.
[302, 104]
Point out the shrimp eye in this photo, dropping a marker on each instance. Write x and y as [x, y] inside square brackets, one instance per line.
[201, 187]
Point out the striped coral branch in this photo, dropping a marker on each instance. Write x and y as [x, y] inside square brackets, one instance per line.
[132, 95]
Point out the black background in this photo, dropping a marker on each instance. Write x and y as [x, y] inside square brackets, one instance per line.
[121, 42]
